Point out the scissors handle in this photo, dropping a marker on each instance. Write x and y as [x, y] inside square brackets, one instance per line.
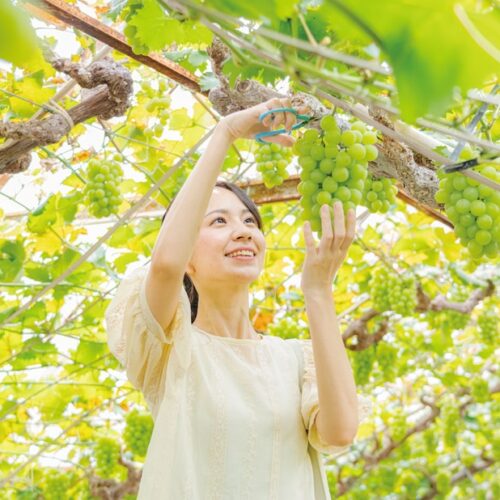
[303, 120]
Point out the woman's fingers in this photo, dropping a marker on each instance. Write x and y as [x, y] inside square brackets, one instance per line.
[350, 231]
[326, 228]
[338, 225]
[308, 237]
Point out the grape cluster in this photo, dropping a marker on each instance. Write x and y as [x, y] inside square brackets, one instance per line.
[102, 193]
[474, 209]
[386, 356]
[399, 426]
[138, 432]
[286, 328]
[443, 481]
[392, 292]
[272, 160]
[450, 320]
[334, 167]
[479, 390]
[488, 325]
[379, 193]
[363, 364]
[451, 424]
[107, 453]
[56, 485]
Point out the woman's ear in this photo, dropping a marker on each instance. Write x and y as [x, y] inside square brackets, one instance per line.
[190, 269]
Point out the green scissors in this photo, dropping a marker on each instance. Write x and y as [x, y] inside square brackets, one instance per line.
[303, 120]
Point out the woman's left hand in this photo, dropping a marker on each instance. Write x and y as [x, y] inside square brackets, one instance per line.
[322, 263]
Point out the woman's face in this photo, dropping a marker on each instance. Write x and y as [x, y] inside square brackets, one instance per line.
[230, 246]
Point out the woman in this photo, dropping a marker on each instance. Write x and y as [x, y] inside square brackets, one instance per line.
[238, 415]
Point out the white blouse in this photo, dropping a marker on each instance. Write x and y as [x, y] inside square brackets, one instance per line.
[233, 418]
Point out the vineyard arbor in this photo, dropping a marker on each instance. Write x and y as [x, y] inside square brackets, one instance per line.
[141, 86]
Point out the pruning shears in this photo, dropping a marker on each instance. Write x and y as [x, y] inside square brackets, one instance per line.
[303, 120]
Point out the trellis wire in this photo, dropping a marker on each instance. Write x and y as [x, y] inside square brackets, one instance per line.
[117, 224]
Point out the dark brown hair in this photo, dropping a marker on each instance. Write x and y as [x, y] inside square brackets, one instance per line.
[244, 198]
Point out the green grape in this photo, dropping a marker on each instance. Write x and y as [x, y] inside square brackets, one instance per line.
[102, 192]
[474, 209]
[363, 364]
[383, 190]
[107, 454]
[271, 161]
[138, 430]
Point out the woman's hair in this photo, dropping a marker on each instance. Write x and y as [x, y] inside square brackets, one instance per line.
[244, 198]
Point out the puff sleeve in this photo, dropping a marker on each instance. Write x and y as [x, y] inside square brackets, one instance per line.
[310, 403]
[138, 341]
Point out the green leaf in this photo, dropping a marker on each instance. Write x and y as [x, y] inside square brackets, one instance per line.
[156, 30]
[18, 42]
[11, 259]
[34, 89]
[87, 351]
[428, 47]
[43, 216]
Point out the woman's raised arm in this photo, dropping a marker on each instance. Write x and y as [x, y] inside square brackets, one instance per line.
[179, 231]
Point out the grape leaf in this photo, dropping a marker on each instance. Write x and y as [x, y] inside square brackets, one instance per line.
[11, 259]
[156, 30]
[428, 47]
[18, 42]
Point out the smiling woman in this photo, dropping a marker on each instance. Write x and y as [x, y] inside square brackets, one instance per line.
[237, 414]
[249, 208]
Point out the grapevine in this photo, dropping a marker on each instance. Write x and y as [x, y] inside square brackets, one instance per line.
[334, 167]
[102, 193]
[474, 209]
[138, 432]
[451, 418]
[107, 453]
[449, 320]
[480, 390]
[272, 160]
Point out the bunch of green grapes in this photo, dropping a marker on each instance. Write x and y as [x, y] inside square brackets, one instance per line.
[392, 292]
[382, 279]
[102, 193]
[403, 297]
[272, 160]
[474, 209]
[107, 454]
[443, 481]
[450, 415]
[449, 320]
[286, 328]
[56, 485]
[387, 356]
[334, 167]
[138, 430]
[489, 325]
[379, 193]
[480, 390]
[363, 365]
[399, 427]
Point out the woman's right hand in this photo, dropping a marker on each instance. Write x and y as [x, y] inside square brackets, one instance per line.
[246, 123]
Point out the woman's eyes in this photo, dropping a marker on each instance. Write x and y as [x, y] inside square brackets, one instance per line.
[251, 219]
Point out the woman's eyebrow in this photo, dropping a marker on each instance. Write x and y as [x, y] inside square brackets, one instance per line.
[225, 211]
